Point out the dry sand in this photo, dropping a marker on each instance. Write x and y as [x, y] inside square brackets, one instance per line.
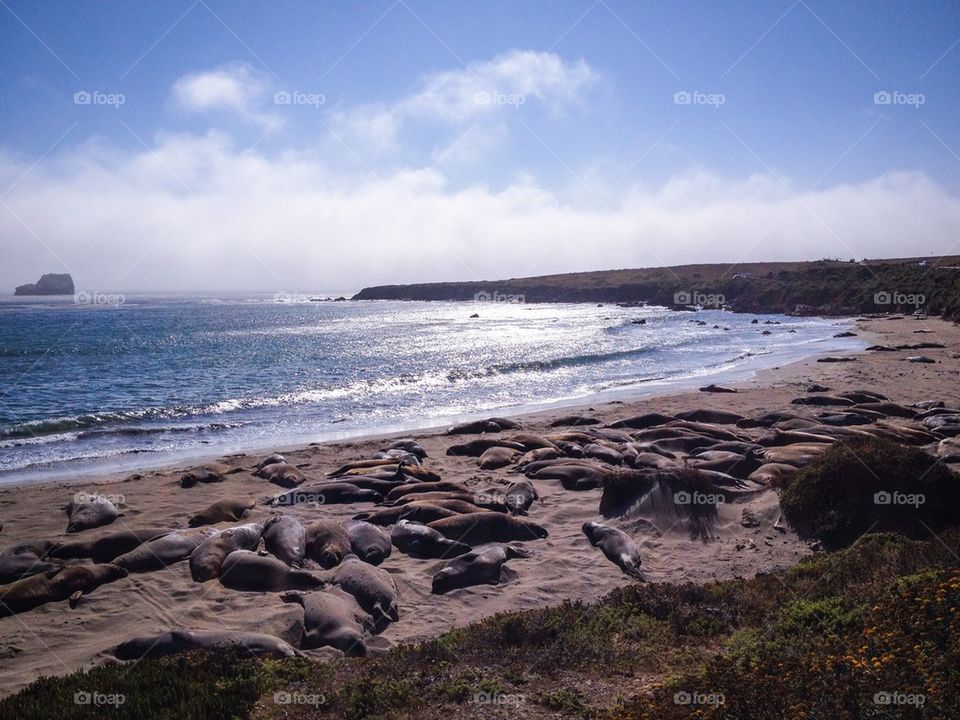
[54, 639]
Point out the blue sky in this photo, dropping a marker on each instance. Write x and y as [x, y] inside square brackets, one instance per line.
[557, 136]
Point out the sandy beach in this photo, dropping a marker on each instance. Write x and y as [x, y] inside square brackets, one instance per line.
[55, 639]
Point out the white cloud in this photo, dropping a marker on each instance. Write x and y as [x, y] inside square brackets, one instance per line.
[251, 221]
[236, 88]
[481, 91]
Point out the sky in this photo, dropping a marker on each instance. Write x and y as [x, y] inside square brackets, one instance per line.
[305, 146]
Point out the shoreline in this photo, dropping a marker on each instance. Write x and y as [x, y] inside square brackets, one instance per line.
[747, 539]
[731, 372]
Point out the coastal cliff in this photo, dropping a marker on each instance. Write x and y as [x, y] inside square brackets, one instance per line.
[823, 287]
[49, 284]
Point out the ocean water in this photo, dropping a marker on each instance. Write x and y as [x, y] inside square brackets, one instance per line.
[152, 380]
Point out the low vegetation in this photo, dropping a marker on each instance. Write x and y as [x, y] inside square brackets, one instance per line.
[824, 287]
[872, 485]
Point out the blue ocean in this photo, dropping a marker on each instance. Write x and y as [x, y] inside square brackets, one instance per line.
[114, 382]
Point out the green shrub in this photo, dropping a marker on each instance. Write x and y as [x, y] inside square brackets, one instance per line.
[867, 486]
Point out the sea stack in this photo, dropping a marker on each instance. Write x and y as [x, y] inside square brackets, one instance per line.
[49, 284]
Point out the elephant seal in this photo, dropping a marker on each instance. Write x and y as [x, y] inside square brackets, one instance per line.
[478, 567]
[409, 445]
[207, 558]
[325, 493]
[368, 542]
[26, 559]
[823, 401]
[107, 547]
[226, 510]
[520, 496]
[327, 543]
[496, 457]
[166, 550]
[204, 474]
[485, 527]
[56, 584]
[331, 620]
[773, 474]
[374, 589]
[421, 511]
[270, 460]
[798, 454]
[571, 476]
[642, 422]
[285, 538]
[90, 512]
[421, 541]
[418, 487]
[717, 389]
[574, 420]
[538, 454]
[175, 641]
[603, 453]
[619, 547]
[476, 448]
[282, 474]
[247, 570]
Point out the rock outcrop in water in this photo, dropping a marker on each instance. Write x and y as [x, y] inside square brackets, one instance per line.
[49, 284]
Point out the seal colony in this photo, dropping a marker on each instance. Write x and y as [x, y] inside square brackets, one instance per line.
[351, 547]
